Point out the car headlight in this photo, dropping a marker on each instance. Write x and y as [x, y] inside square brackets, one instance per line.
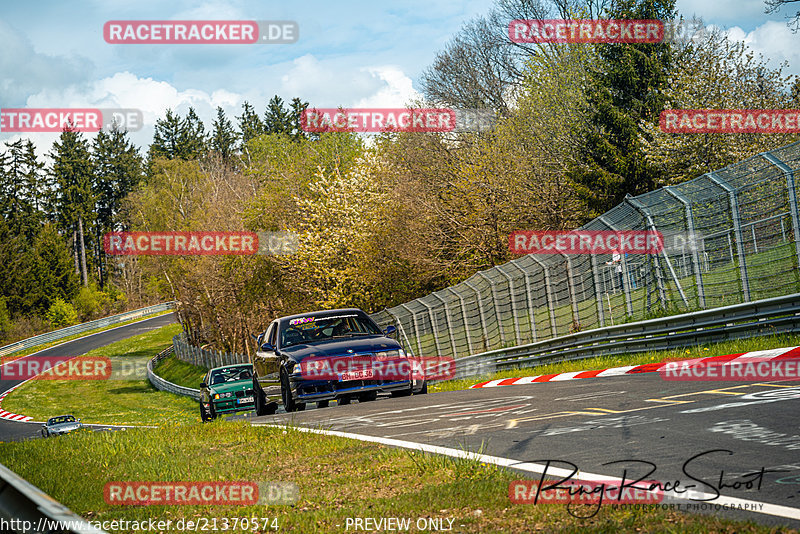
[390, 354]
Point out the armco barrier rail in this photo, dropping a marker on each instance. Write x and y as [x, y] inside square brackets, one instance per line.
[55, 335]
[24, 508]
[207, 358]
[164, 385]
[779, 315]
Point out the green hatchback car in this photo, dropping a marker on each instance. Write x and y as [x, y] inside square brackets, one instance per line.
[227, 389]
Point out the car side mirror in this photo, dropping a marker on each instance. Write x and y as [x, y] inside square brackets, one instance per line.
[390, 330]
[203, 385]
[267, 347]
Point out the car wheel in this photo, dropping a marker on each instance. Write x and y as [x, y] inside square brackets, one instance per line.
[260, 400]
[289, 403]
[369, 396]
[424, 389]
[341, 401]
[323, 404]
[203, 413]
[212, 414]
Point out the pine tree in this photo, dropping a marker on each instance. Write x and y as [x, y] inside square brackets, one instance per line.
[223, 138]
[295, 124]
[250, 125]
[21, 188]
[117, 171]
[73, 174]
[277, 119]
[625, 88]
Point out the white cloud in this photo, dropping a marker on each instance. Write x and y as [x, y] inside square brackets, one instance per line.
[775, 41]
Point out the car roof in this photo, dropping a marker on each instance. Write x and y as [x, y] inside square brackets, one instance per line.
[324, 313]
[232, 365]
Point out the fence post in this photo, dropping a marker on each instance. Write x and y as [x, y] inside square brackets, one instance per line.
[529, 298]
[737, 231]
[698, 276]
[573, 298]
[638, 206]
[626, 288]
[481, 313]
[514, 314]
[433, 327]
[417, 333]
[449, 324]
[548, 295]
[464, 318]
[792, 200]
[598, 296]
[496, 307]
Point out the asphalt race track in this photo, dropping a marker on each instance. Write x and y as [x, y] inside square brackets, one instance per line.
[15, 431]
[628, 419]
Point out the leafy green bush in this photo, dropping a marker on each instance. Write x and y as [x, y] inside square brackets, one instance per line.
[61, 314]
[90, 302]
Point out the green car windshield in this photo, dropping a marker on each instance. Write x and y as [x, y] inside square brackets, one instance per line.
[311, 329]
[230, 374]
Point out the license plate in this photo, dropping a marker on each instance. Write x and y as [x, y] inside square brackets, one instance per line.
[366, 374]
[244, 400]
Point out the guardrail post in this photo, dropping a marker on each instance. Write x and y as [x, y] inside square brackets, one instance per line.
[480, 312]
[495, 303]
[432, 317]
[737, 231]
[626, 287]
[449, 324]
[548, 294]
[417, 332]
[638, 206]
[792, 200]
[529, 298]
[598, 297]
[464, 318]
[698, 277]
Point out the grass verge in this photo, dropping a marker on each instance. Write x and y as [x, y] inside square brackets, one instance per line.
[126, 398]
[603, 362]
[337, 478]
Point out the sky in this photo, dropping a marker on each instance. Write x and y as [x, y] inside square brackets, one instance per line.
[349, 53]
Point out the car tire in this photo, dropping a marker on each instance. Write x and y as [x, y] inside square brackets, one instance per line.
[368, 396]
[203, 414]
[260, 400]
[289, 403]
[341, 401]
[403, 392]
[424, 389]
[212, 414]
[323, 404]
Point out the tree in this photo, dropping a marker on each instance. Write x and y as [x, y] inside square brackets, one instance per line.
[117, 171]
[223, 138]
[295, 122]
[73, 173]
[277, 119]
[22, 190]
[250, 125]
[177, 138]
[775, 5]
[625, 89]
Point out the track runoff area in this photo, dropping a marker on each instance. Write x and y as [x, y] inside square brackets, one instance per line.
[713, 435]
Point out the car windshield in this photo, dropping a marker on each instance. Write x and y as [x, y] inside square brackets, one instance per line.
[304, 330]
[61, 419]
[230, 374]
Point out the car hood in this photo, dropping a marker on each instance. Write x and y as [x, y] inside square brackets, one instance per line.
[341, 347]
[64, 427]
[238, 385]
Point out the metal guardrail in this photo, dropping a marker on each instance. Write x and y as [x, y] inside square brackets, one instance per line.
[165, 385]
[55, 335]
[24, 508]
[778, 315]
[208, 358]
